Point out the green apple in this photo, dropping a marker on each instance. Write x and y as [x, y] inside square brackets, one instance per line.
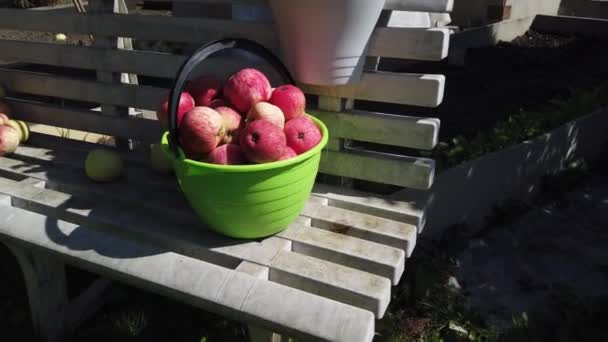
[103, 165]
[21, 127]
[159, 161]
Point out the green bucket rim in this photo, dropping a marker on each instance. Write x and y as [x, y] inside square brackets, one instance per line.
[250, 167]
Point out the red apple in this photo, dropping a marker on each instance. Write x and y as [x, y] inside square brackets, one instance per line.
[204, 89]
[201, 131]
[232, 124]
[268, 112]
[288, 154]
[228, 154]
[9, 140]
[246, 88]
[186, 103]
[218, 103]
[263, 142]
[302, 134]
[290, 99]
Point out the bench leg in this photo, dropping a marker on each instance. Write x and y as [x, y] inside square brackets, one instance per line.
[46, 289]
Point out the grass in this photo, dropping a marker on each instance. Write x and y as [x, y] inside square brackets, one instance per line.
[520, 127]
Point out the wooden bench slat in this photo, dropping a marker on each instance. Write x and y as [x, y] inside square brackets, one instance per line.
[439, 6]
[82, 90]
[408, 172]
[389, 232]
[425, 44]
[388, 129]
[368, 227]
[410, 89]
[410, 43]
[84, 120]
[375, 258]
[398, 5]
[414, 43]
[115, 60]
[413, 89]
[145, 27]
[229, 292]
[199, 243]
[358, 201]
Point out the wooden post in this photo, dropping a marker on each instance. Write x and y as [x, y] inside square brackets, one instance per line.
[47, 292]
[113, 6]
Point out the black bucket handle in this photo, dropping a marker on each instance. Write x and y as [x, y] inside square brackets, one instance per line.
[198, 57]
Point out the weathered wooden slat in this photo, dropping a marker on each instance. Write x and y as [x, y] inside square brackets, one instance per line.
[375, 258]
[214, 288]
[56, 150]
[408, 172]
[78, 89]
[388, 129]
[411, 89]
[420, 90]
[364, 226]
[112, 60]
[398, 5]
[439, 6]
[145, 226]
[406, 212]
[89, 121]
[146, 27]
[409, 43]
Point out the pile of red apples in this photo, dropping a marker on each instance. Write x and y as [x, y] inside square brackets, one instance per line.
[242, 120]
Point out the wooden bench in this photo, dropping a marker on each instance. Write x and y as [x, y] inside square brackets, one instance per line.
[327, 277]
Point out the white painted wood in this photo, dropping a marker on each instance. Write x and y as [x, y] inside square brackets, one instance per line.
[369, 292]
[257, 334]
[137, 62]
[410, 43]
[420, 5]
[44, 277]
[399, 5]
[410, 89]
[197, 30]
[107, 6]
[211, 287]
[78, 89]
[373, 257]
[363, 226]
[406, 212]
[408, 172]
[135, 128]
[388, 129]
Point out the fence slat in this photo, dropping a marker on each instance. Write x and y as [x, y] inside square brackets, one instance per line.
[88, 121]
[389, 129]
[411, 89]
[137, 62]
[410, 43]
[398, 5]
[408, 172]
[414, 43]
[81, 90]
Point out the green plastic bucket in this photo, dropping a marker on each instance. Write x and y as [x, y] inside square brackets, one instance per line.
[242, 201]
